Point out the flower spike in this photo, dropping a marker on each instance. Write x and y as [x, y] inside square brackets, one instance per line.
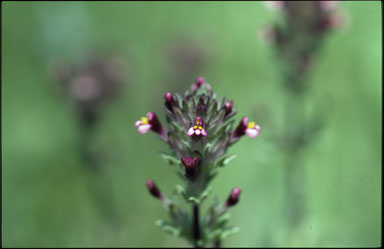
[197, 157]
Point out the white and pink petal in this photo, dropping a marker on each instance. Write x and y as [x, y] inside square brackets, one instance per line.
[251, 132]
[191, 131]
[144, 128]
[204, 132]
[138, 122]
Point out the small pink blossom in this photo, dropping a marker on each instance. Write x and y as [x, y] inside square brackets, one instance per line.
[251, 129]
[197, 129]
[151, 123]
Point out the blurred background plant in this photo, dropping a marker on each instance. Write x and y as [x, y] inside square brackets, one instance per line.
[45, 197]
[297, 40]
[88, 86]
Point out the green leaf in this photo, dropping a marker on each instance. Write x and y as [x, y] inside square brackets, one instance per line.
[181, 190]
[224, 160]
[228, 232]
[169, 158]
[168, 227]
[194, 200]
[221, 220]
[205, 194]
[214, 234]
[207, 147]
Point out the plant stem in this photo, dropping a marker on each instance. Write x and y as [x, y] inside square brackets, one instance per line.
[196, 225]
[294, 168]
[217, 243]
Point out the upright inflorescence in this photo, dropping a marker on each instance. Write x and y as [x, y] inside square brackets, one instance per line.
[199, 132]
[299, 36]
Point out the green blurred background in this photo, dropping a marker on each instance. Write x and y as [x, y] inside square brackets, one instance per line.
[46, 199]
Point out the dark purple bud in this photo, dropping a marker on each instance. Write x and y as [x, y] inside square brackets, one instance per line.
[156, 126]
[154, 190]
[240, 130]
[190, 165]
[228, 107]
[170, 102]
[233, 197]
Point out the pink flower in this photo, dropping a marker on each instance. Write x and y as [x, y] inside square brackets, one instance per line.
[151, 123]
[251, 129]
[197, 129]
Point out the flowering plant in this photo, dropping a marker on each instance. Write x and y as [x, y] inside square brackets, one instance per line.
[297, 40]
[199, 133]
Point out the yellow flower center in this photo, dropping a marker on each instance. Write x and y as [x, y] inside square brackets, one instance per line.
[195, 127]
[251, 125]
[144, 120]
[200, 128]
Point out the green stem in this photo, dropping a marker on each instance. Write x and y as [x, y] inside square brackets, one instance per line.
[294, 170]
[196, 225]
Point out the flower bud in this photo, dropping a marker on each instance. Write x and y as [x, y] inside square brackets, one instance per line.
[199, 82]
[190, 165]
[155, 192]
[233, 197]
[170, 102]
[228, 107]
